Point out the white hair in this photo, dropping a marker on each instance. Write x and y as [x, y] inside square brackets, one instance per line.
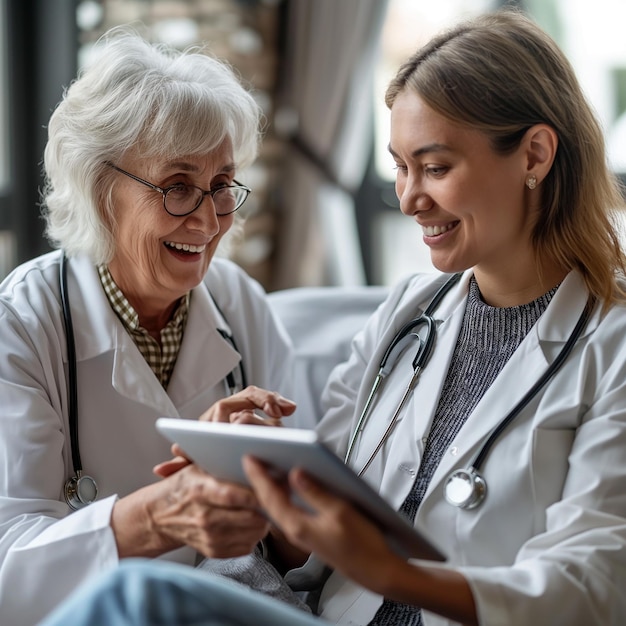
[139, 96]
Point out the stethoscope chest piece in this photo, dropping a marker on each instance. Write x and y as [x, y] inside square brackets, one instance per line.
[80, 491]
[465, 488]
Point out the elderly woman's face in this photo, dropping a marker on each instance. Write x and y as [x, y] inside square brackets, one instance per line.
[159, 257]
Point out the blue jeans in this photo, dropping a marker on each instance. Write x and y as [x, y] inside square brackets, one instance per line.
[143, 592]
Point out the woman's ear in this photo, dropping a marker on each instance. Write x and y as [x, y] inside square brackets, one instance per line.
[540, 144]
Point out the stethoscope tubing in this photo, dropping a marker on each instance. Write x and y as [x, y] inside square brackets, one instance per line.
[71, 365]
[392, 424]
[467, 488]
[397, 345]
[477, 463]
[81, 490]
[231, 383]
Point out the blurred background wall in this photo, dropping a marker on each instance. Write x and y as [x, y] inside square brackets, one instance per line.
[323, 211]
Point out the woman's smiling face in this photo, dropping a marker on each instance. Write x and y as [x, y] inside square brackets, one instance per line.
[468, 199]
[159, 257]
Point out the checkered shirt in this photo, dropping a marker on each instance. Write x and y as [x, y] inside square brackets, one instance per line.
[160, 358]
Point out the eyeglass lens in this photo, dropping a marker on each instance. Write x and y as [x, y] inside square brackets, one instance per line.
[183, 199]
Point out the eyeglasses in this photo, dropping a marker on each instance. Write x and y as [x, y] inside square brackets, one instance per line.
[180, 199]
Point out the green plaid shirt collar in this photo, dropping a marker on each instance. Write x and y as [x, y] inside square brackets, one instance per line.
[160, 358]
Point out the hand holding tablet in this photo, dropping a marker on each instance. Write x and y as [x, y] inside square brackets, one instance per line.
[219, 447]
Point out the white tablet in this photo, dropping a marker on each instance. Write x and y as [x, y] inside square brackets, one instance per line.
[219, 447]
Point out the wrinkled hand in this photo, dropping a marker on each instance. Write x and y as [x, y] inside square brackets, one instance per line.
[240, 408]
[337, 533]
[189, 507]
[216, 518]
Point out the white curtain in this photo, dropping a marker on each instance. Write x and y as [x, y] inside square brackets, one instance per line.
[327, 96]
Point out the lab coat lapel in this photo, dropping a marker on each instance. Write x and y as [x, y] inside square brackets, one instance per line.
[132, 376]
[534, 355]
[202, 337]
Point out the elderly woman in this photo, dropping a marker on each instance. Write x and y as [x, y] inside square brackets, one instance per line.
[131, 319]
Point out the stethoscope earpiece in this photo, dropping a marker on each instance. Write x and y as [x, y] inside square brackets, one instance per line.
[465, 488]
[80, 491]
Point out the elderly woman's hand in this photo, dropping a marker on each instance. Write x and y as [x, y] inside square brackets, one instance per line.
[240, 408]
[189, 507]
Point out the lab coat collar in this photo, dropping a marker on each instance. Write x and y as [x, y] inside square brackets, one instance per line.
[93, 319]
[98, 331]
[558, 320]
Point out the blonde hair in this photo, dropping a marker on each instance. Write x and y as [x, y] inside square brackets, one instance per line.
[501, 74]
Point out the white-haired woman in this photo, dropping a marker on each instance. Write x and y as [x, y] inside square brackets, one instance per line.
[141, 166]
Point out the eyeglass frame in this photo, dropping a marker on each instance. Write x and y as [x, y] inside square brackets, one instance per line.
[166, 190]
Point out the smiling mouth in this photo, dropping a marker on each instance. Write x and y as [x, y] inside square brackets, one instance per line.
[433, 231]
[185, 247]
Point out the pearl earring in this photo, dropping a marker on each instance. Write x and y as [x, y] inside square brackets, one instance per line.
[531, 183]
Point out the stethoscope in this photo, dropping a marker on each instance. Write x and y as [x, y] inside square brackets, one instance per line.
[81, 489]
[464, 488]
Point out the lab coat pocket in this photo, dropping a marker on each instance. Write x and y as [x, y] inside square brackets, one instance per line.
[550, 451]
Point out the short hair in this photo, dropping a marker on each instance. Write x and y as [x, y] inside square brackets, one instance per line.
[501, 74]
[156, 99]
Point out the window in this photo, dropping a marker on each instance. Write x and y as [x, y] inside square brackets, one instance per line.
[592, 37]
[7, 238]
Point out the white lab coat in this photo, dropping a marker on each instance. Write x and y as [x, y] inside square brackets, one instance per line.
[548, 545]
[46, 551]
